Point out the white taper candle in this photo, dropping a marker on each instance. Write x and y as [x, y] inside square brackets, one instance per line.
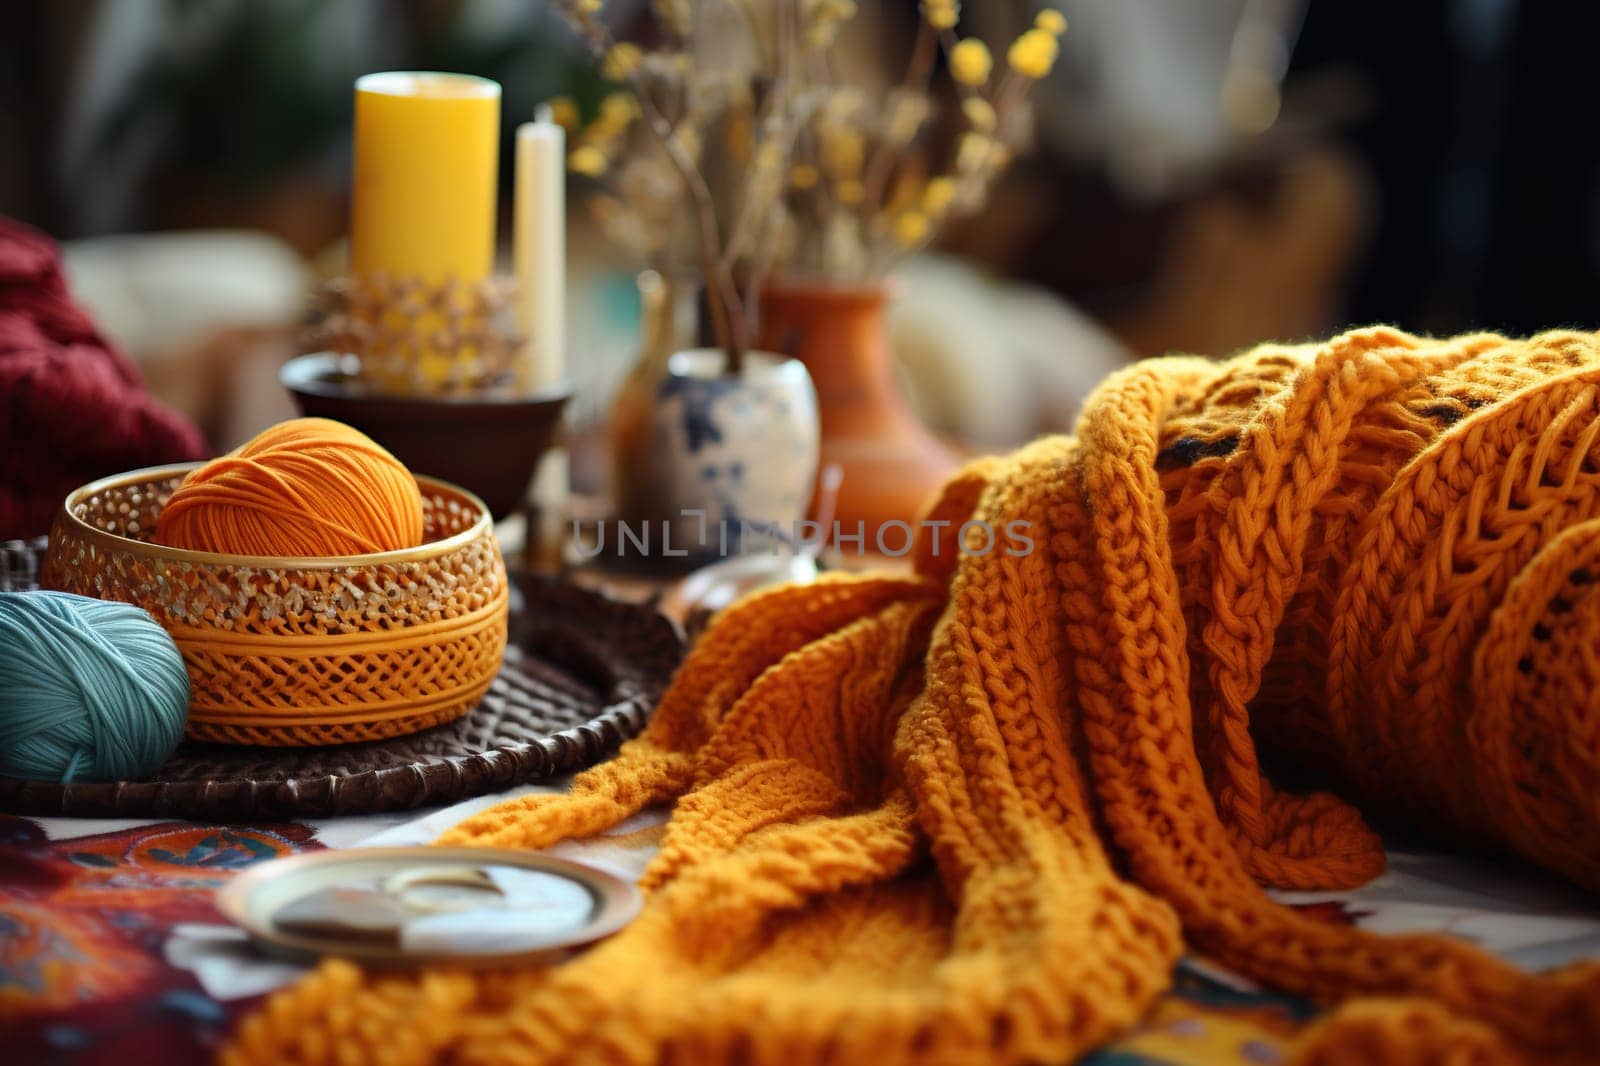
[540, 248]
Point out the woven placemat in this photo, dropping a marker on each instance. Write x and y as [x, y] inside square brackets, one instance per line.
[581, 675]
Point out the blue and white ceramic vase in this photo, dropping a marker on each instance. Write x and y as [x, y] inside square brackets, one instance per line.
[733, 459]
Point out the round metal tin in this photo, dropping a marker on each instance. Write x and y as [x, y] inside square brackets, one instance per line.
[419, 905]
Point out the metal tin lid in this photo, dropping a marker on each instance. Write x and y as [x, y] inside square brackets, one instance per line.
[412, 906]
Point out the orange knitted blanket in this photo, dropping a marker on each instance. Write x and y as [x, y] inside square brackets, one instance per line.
[974, 814]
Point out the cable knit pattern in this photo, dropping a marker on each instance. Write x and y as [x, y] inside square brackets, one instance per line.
[977, 812]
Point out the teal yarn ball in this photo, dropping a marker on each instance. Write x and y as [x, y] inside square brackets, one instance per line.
[90, 690]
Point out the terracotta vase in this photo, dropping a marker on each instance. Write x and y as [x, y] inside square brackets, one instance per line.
[892, 465]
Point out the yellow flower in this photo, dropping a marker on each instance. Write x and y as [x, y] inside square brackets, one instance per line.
[803, 176]
[563, 112]
[911, 228]
[842, 152]
[1051, 21]
[973, 152]
[617, 111]
[591, 7]
[587, 160]
[980, 113]
[769, 157]
[825, 17]
[611, 124]
[941, 14]
[970, 62]
[621, 61]
[1034, 53]
[849, 192]
[937, 197]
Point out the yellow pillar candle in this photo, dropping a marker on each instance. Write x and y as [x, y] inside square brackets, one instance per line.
[426, 161]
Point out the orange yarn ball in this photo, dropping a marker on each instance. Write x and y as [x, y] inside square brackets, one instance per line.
[309, 487]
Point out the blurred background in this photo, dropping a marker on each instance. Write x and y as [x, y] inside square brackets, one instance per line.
[1207, 174]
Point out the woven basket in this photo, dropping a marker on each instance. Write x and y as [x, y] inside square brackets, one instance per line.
[290, 652]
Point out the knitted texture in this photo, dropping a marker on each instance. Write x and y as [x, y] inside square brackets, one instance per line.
[72, 407]
[976, 813]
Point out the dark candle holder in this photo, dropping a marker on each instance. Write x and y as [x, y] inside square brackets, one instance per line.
[431, 372]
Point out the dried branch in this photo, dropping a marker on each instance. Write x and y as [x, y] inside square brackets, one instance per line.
[825, 180]
[727, 316]
[919, 74]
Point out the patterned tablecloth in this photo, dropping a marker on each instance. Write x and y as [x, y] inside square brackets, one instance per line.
[112, 951]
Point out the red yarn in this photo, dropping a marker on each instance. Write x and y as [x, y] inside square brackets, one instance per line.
[72, 407]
